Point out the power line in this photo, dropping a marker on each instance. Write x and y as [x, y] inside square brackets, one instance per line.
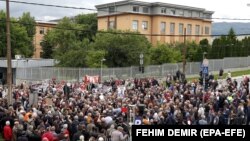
[122, 33]
[50, 5]
[90, 9]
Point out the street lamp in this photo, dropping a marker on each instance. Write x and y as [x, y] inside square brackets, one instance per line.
[103, 59]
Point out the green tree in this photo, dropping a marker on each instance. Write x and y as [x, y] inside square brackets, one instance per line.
[121, 49]
[231, 37]
[75, 56]
[204, 42]
[163, 53]
[29, 23]
[48, 45]
[89, 24]
[246, 46]
[94, 57]
[67, 46]
[227, 46]
[20, 41]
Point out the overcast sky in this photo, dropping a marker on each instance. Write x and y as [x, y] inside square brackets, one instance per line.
[222, 8]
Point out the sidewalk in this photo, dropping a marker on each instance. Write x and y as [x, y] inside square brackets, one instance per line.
[217, 72]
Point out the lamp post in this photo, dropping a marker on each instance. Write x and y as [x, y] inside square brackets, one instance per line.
[101, 68]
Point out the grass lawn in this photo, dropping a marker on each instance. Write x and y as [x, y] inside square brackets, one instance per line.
[233, 74]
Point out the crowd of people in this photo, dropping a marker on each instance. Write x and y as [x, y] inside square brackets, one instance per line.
[63, 111]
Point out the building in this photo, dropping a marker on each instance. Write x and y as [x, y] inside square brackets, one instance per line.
[160, 22]
[41, 29]
[19, 64]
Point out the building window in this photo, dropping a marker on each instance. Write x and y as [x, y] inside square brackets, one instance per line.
[189, 29]
[172, 12]
[135, 25]
[42, 30]
[163, 10]
[163, 27]
[111, 9]
[181, 13]
[197, 30]
[135, 8]
[189, 14]
[201, 15]
[181, 29]
[207, 30]
[145, 25]
[145, 9]
[172, 28]
[207, 16]
[111, 24]
[195, 14]
[201, 30]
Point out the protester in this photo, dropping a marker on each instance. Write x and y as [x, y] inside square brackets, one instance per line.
[105, 111]
[7, 131]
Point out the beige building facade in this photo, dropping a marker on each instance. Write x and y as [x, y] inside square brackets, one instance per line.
[159, 22]
[41, 29]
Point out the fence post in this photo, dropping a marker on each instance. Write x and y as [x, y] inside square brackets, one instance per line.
[79, 74]
[223, 65]
[31, 73]
[131, 72]
[57, 73]
[213, 66]
[190, 69]
[41, 76]
[25, 73]
[247, 61]
[162, 70]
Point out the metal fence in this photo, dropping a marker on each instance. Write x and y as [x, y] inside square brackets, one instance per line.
[76, 74]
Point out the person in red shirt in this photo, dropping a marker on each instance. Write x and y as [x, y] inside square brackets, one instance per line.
[7, 131]
[66, 132]
[48, 135]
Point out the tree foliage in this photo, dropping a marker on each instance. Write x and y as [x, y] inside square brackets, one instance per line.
[89, 22]
[228, 46]
[164, 53]
[21, 43]
[48, 45]
[29, 23]
[122, 49]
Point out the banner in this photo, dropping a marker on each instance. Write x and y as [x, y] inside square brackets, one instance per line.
[120, 91]
[91, 79]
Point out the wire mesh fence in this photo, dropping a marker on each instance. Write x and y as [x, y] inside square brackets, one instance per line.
[77, 74]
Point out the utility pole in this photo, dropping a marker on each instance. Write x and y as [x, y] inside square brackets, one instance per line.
[184, 53]
[9, 67]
